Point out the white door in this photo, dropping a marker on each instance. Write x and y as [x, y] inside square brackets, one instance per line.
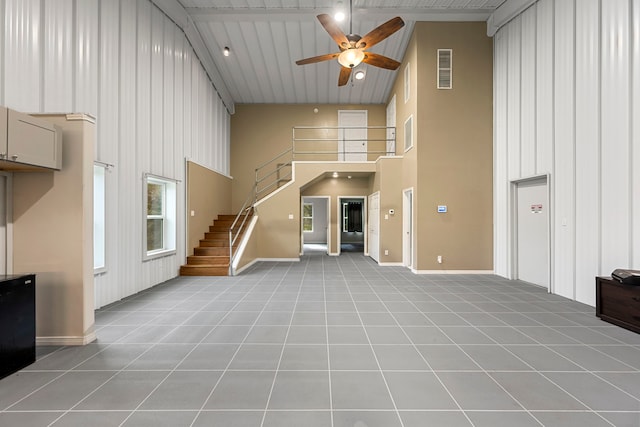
[352, 138]
[407, 228]
[374, 226]
[391, 127]
[532, 232]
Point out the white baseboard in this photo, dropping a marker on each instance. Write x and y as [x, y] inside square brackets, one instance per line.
[89, 338]
[278, 259]
[391, 264]
[244, 267]
[334, 254]
[452, 271]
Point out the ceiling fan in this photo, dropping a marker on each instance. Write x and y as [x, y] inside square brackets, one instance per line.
[353, 47]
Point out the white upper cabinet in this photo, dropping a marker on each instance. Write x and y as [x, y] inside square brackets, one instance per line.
[28, 141]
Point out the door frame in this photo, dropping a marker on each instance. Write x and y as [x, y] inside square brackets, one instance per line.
[367, 250]
[328, 228]
[365, 222]
[513, 226]
[408, 228]
[391, 127]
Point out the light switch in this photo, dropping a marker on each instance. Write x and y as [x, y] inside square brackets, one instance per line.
[193, 213]
[290, 216]
[386, 216]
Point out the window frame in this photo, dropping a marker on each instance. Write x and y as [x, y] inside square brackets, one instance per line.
[168, 216]
[99, 218]
[304, 204]
[408, 141]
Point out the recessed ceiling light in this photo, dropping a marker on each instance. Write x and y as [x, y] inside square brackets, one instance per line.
[339, 15]
[335, 174]
[349, 176]
[226, 51]
[359, 75]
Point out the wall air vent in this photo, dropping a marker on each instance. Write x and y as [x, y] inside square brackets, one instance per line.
[445, 69]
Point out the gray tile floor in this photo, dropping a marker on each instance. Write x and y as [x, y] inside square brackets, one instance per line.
[336, 341]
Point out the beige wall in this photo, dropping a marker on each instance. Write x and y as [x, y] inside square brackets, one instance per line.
[53, 236]
[451, 162]
[208, 195]
[390, 230]
[260, 132]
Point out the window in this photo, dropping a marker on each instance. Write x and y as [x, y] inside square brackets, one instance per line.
[99, 241]
[408, 133]
[307, 217]
[407, 83]
[160, 208]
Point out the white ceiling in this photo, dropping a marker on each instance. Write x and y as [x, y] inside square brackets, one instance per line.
[266, 37]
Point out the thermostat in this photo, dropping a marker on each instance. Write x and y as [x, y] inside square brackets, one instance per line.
[442, 208]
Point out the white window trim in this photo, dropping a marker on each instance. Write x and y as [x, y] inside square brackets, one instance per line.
[307, 217]
[407, 82]
[170, 218]
[408, 142]
[100, 213]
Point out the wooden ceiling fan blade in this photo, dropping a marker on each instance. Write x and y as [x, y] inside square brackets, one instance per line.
[345, 73]
[380, 61]
[380, 33]
[334, 31]
[319, 58]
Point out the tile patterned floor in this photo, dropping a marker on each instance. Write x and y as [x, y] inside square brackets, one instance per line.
[336, 342]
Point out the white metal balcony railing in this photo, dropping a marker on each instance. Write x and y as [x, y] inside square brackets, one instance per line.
[310, 143]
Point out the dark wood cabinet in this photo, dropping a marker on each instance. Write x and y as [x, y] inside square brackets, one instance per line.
[617, 303]
[17, 322]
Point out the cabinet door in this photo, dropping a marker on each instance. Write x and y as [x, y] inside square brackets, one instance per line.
[32, 141]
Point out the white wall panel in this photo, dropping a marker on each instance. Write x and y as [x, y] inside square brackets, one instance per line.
[168, 166]
[514, 78]
[564, 147]
[22, 55]
[528, 94]
[58, 55]
[615, 135]
[635, 137]
[587, 133]
[158, 91]
[544, 87]
[500, 152]
[587, 146]
[86, 73]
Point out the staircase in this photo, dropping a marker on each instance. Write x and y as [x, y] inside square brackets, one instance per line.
[211, 258]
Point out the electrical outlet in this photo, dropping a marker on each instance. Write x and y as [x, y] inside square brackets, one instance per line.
[386, 251]
[439, 259]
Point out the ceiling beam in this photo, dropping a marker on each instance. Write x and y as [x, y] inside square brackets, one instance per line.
[211, 14]
[174, 10]
[505, 13]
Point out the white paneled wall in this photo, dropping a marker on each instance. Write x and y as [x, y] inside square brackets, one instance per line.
[567, 103]
[127, 64]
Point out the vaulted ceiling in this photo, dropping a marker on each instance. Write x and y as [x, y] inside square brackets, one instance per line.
[266, 37]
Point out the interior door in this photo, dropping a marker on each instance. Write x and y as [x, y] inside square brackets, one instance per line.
[391, 127]
[407, 228]
[374, 226]
[352, 138]
[532, 232]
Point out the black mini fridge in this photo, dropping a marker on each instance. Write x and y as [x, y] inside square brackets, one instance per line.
[17, 322]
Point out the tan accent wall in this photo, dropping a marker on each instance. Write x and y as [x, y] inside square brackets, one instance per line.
[451, 161]
[259, 132]
[387, 183]
[53, 236]
[455, 131]
[208, 195]
[335, 188]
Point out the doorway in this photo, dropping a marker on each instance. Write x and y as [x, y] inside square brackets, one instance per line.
[531, 225]
[352, 138]
[315, 225]
[407, 228]
[373, 227]
[352, 224]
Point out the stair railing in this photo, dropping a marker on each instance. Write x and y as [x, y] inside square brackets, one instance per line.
[237, 226]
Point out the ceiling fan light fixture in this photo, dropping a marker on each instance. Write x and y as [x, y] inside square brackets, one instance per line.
[351, 58]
